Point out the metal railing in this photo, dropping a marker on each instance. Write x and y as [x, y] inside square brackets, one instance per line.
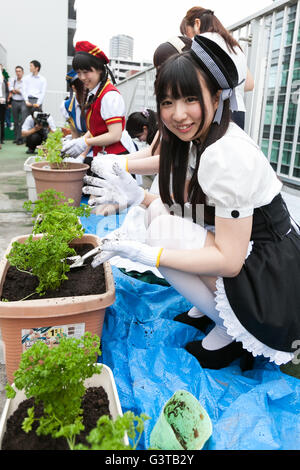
[138, 91]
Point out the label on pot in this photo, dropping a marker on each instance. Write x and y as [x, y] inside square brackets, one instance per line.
[51, 335]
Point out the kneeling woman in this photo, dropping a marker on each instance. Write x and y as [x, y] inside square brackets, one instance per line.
[241, 267]
[104, 107]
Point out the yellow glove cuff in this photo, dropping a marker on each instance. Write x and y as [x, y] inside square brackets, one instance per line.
[126, 165]
[158, 257]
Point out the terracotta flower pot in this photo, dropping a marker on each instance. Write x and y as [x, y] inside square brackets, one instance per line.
[105, 380]
[68, 180]
[65, 131]
[67, 314]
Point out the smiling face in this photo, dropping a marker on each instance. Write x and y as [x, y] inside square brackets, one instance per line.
[183, 115]
[89, 78]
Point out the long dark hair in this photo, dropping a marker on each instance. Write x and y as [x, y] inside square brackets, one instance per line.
[178, 77]
[209, 24]
[137, 120]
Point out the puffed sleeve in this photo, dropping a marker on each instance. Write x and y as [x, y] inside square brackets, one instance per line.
[112, 108]
[236, 177]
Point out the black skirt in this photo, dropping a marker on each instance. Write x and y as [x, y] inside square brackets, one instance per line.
[265, 296]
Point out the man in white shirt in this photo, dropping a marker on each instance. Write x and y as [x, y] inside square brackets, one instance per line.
[36, 128]
[19, 110]
[35, 87]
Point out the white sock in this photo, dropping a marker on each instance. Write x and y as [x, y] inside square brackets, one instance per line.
[195, 313]
[217, 338]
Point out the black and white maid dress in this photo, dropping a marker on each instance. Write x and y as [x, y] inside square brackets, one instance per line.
[260, 307]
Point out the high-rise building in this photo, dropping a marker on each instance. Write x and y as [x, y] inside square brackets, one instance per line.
[272, 42]
[71, 31]
[121, 47]
[123, 69]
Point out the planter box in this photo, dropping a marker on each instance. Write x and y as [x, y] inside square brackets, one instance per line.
[78, 313]
[30, 181]
[105, 379]
[68, 181]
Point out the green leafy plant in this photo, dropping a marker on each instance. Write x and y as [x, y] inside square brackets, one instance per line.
[109, 435]
[53, 212]
[45, 257]
[55, 377]
[51, 149]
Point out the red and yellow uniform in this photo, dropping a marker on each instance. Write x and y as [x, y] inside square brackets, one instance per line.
[98, 125]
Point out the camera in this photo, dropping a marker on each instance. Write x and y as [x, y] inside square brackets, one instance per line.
[41, 119]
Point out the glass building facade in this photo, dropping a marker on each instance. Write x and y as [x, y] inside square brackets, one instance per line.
[272, 45]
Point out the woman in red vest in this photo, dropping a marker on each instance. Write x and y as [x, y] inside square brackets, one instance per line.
[105, 107]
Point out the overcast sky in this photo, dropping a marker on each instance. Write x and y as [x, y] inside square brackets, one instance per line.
[149, 22]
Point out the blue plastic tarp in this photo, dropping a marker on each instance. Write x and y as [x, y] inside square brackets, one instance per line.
[253, 410]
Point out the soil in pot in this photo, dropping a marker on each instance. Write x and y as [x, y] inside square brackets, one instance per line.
[81, 281]
[95, 403]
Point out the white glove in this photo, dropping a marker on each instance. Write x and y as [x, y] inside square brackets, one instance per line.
[74, 147]
[117, 187]
[67, 138]
[135, 251]
[79, 159]
[104, 162]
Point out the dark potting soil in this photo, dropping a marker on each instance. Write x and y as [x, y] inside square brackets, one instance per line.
[95, 403]
[81, 281]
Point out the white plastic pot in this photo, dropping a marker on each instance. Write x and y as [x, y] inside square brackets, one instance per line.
[105, 379]
[30, 181]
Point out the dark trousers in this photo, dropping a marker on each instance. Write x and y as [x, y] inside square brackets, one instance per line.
[2, 121]
[29, 108]
[19, 113]
[33, 140]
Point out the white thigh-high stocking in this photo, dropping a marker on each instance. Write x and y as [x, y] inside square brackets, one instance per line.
[174, 232]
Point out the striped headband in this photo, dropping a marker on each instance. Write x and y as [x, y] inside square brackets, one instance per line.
[220, 68]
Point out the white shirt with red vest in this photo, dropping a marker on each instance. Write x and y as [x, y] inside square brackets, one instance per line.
[112, 106]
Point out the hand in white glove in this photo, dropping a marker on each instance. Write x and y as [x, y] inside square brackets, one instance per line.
[135, 251]
[67, 138]
[104, 162]
[118, 187]
[79, 159]
[73, 148]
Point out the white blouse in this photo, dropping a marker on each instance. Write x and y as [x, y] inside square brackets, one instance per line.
[235, 175]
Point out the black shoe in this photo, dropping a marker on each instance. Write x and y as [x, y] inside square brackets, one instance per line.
[31, 152]
[222, 357]
[201, 323]
[19, 142]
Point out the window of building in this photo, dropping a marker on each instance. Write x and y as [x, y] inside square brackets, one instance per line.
[275, 151]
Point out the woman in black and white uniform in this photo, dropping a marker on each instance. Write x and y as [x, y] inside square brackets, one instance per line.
[239, 265]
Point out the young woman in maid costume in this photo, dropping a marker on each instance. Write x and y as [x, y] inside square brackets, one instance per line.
[104, 106]
[241, 267]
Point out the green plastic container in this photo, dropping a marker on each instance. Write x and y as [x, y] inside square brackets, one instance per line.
[182, 425]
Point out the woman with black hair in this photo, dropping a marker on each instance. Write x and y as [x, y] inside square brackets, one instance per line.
[104, 107]
[142, 125]
[225, 241]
